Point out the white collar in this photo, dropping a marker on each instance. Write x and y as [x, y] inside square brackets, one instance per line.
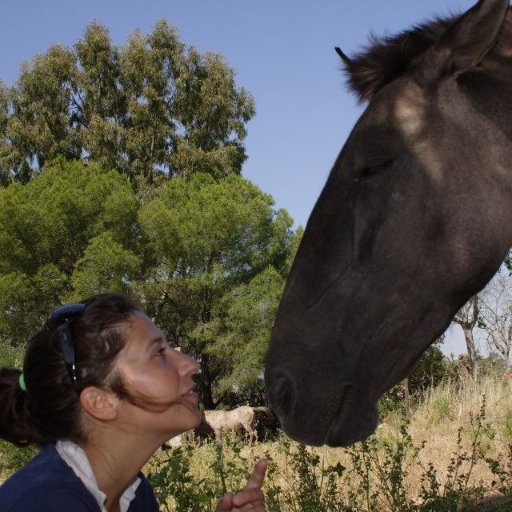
[77, 460]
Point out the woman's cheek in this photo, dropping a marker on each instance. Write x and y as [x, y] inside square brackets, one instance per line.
[154, 383]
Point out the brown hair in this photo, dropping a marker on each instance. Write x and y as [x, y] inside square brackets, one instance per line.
[50, 409]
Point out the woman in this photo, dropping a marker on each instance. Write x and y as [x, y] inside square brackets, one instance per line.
[100, 391]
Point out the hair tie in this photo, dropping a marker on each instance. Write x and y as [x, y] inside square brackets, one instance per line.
[23, 386]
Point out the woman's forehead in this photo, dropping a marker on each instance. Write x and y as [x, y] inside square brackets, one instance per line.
[141, 333]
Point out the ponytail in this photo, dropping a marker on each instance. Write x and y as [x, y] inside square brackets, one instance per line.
[14, 419]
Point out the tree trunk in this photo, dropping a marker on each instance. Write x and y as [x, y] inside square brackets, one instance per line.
[470, 344]
[467, 318]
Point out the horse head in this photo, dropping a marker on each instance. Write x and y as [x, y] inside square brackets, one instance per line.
[413, 220]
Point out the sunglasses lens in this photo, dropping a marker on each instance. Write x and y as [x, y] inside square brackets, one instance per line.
[66, 313]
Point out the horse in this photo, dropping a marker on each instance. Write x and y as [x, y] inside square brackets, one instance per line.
[414, 219]
[240, 418]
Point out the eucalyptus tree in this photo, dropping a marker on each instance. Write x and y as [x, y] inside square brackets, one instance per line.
[152, 108]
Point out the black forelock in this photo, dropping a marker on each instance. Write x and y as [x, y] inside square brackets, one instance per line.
[386, 58]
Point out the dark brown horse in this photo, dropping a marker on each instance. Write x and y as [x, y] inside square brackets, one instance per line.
[415, 218]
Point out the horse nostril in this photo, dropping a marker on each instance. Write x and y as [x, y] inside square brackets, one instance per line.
[282, 394]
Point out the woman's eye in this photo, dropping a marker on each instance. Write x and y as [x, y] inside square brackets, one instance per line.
[161, 352]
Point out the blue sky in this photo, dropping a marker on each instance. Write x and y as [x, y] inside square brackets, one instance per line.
[282, 50]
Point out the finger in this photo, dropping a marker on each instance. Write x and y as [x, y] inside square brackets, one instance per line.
[248, 497]
[256, 479]
[226, 503]
[251, 507]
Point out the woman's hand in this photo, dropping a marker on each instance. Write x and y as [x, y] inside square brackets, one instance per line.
[251, 498]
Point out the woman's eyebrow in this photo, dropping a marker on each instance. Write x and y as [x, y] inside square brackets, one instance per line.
[159, 340]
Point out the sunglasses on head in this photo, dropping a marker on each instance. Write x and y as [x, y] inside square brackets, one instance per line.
[61, 319]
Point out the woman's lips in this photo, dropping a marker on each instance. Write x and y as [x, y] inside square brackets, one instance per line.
[192, 395]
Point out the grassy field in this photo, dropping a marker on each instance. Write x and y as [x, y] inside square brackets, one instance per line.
[453, 454]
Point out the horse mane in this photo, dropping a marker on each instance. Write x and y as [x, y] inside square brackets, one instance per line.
[386, 58]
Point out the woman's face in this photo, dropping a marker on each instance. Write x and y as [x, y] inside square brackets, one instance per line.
[159, 378]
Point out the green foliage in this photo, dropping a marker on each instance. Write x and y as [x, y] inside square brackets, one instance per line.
[105, 265]
[178, 491]
[492, 366]
[440, 409]
[219, 252]
[502, 471]
[206, 253]
[457, 494]
[12, 458]
[172, 480]
[392, 468]
[429, 372]
[314, 485]
[11, 356]
[151, 109]
[72, 226]
[192, 478]
[206, 258]
[250, 310]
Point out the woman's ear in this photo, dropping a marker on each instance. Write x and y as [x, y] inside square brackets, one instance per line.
[99, 403]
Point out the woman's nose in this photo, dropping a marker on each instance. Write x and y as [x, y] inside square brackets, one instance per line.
[189, 363]
[195, 365]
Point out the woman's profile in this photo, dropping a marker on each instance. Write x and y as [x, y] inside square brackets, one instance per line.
[100, 391]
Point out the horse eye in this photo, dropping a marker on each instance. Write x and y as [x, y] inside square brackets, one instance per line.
[373, 168]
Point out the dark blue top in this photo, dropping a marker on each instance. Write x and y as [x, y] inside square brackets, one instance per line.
[48, 484]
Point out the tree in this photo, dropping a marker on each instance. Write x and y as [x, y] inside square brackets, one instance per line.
[490, 313]
[206, 258]
[250, 310]
[496, 314]
[150, 109]
[36, 127]
[89, 137]
[219, 252]
[53, 231]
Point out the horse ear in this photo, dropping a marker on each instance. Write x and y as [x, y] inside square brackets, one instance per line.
[466, 42]
[346, 61]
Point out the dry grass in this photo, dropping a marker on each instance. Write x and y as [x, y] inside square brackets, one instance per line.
[437, 420]
[446, 420]
[449, 408]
